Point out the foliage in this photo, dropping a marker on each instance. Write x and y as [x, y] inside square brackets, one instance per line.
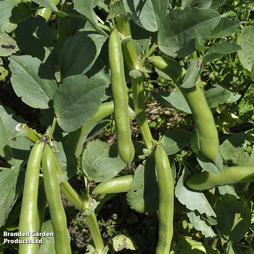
[55, 75]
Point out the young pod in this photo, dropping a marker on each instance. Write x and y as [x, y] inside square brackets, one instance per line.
[57, 213]
[115, 185]
[230, 175]
[28, 221]
[120, 97]
[202, 115]
[166, 201]
[45, 12]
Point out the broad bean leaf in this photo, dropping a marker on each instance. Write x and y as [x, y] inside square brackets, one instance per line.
[174, 100]
[227, 189]
[192, 74]
[245, 40]
[20, 12]
[77, 100]
[8, 45]
[216, 95]
[188, 3]
[193, 200]
[144, 193]
[209, 166]
[225, 28]
[68, 26]
[147, 14]
[121, 242]
[116, 8]
[48, 244]
[6, 8]
[190, 246]
[101, 162]
[36, 38]
[220, 50]
[176, 36]
[201, 225]
[11, 182]
[14, 150]
[175, 140]
[233, 217]
[199, 42]
[67, 160]
[238, 150]
[216, 4]
[32, 81]
[80, 51]
[86, 7]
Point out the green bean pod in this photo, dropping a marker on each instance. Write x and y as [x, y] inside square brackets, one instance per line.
[115, 185]
[28, 221]
[230, 175]
[166, 201]
[202, 115]
[120, 96]
[57, 213]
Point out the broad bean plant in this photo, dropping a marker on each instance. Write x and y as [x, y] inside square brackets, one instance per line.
[85, 68]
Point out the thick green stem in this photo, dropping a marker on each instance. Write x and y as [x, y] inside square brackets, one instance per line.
[92, 223]
[134, 63]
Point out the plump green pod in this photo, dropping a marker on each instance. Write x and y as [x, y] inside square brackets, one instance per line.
[166, 201]
[57, 213]
[115, 185]
[76, 139]
[120, 96]
[28, 221]
[230, 175]
[204, 121]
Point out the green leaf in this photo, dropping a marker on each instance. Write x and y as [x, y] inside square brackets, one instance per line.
[6, 8]
[175, 140]
[11, 182]
[80, 51]
[191, 199]
[100, 162]
[67, 160]
[209, 166]
[245, 40]
[235, 150]
[216, 95]
[201, 225]
[219, 50]
[38, 39]
[192, 74]
[32, 81]
[199, 42]
[77, 100]
[116, 8]
[48, 244]
[121, 242]
[8, 45]
[174, 100]
[188, 3]
[14, 150]
[233, 217]
[143, 196]
[183, 23]
[147, 14]
[225, 28]
[135, 74]
[216, 4]
[86, 7]
[20, 12]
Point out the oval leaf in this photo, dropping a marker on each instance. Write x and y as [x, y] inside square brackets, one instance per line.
[32, 81]
[77, 100]
[100, 162]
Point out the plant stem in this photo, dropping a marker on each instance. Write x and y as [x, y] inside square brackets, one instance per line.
[134, 63]
[92, 223]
